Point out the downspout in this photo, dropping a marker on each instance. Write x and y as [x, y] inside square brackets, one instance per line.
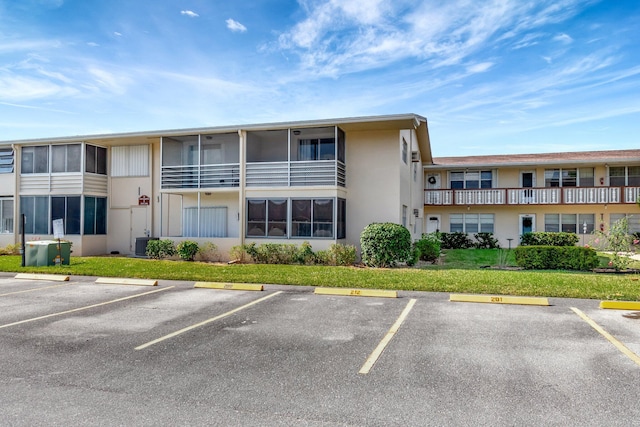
[16, 195]
[242, 184]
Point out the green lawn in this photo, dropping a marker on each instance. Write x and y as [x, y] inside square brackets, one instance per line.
[460, 273]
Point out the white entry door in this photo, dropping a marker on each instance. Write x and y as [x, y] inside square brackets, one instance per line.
[139, 225]
[433, 223]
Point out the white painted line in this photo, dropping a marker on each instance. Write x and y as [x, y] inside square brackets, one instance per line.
[83, 308]
[371, 360]
[619, 345]
[213, 319]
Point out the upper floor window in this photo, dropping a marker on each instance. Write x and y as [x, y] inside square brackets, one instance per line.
[311, 144]
[66, 158]
[6, 160]
[472, 179]
[575, 177]
[621, 176]
[35, 159]
[96, 159]
[63, 158]
[405, 149]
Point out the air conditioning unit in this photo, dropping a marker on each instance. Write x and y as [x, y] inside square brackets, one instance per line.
[415, 156]
[416, 213]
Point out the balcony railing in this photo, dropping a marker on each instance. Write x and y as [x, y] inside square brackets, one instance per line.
[290, 174]
[533, 196]
[205, 176]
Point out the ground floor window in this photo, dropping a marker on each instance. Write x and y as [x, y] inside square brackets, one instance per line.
[570, 223]
[267, 217]
[95, 215]
[633, 221]
[471, 223]
[67, 208]
[36, 212]
[6, 215]
[204, 222]
[315, 217]
[39, 211]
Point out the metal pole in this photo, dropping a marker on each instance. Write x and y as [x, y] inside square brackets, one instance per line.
[23, 222]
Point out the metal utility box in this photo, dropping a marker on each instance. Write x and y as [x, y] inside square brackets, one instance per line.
[45, 252]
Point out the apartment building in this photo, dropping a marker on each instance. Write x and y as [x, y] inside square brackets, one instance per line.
[509, 195]
[319, 181]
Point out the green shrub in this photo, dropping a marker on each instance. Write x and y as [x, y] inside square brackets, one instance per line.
[385, 245]
[10, 249]
[428, 247]
[187, 250]
[305, 255]
[457, 240]
[486, 241]
[556, 258]
[158, 249]
[339, 254]
[546, 238]
[238, 253]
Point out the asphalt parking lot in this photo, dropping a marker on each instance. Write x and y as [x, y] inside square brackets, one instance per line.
[82, 353]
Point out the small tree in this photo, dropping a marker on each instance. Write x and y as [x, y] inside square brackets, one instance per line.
[617, 240]
[385, 245]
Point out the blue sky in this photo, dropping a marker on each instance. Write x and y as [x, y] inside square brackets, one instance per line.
[491, 76]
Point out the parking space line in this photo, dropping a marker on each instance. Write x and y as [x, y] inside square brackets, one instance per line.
[83, 308]
[373, 358]
[34, 289]
[619, 345]
[213, 319]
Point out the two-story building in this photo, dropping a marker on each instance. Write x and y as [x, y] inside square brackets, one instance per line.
[509, 195]
[319, 181]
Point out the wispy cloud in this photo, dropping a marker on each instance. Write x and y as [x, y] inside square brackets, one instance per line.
[189, 13]
[344, 36]
[563, 38]
[235, 26]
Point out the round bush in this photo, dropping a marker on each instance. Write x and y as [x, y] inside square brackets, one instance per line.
[385, 245]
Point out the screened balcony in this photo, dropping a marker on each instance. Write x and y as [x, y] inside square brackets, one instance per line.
[532, 196]
[201, 161]
[296, 157]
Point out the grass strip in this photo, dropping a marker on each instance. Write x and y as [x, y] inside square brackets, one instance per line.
[452, 280]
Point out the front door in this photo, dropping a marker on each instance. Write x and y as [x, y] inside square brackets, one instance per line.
[527, 223]
[433, 223]
[139, 226]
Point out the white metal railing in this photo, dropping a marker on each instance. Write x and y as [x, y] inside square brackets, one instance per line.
[298, 173]
[532, 196]
[205, 176]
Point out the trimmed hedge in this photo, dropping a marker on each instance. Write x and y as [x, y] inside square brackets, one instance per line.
[546, 238]
[385, 245]
[556, 258]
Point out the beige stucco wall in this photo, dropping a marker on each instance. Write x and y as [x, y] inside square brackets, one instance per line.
[373, 170]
